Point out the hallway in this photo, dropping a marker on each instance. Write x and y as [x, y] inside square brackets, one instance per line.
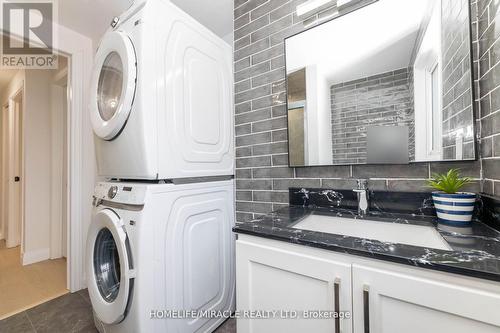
[23, 287]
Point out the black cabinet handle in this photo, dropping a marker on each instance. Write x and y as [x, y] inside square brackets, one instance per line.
[336, 287]
[366, 308]
[17, 179]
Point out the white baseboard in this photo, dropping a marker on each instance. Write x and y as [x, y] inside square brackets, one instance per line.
[34, 256]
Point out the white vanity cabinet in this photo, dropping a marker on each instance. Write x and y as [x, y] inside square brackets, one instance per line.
[382, 297]
[275, 278]
[392, 299]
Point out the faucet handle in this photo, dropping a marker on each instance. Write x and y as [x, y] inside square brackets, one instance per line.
[362, 184]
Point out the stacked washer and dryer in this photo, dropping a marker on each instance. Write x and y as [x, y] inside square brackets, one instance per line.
[161, 238]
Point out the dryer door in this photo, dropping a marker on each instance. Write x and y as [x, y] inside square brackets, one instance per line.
[109, 271]
[113, 85]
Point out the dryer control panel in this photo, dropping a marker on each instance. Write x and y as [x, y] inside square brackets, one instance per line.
[132, 194]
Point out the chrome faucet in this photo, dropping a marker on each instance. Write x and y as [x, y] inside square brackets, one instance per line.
[362, 191]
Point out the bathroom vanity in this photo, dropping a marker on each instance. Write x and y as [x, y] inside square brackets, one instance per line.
[394, 270]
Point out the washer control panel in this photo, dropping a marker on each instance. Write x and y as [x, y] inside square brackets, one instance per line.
[132, 194]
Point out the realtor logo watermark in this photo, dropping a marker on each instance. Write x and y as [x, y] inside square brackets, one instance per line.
[28, 34]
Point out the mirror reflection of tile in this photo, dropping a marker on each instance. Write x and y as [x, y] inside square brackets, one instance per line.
[410, 70]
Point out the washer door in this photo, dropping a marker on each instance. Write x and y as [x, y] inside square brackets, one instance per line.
[113, 85]
[108, 267]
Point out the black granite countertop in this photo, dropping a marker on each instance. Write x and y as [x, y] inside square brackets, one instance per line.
[474, 251]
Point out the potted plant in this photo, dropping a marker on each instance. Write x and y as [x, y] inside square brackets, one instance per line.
[452, 207]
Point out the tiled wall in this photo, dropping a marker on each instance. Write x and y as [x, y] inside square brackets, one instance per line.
[262, 174]
[457, 102]
[379, 100]
[488, 49]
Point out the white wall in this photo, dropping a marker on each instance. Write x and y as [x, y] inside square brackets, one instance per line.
[343, 55]
[37, 165]
[318, 118]
[229, 38]
[324, 129]
[311, 116]
[58, 211]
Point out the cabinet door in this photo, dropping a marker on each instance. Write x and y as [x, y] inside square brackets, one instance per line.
[387, 301]
[285, 277]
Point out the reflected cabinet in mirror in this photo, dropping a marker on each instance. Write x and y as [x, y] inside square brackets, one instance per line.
[389, 83]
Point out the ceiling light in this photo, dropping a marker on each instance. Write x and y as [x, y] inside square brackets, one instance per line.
[341, 3]
[311, 7]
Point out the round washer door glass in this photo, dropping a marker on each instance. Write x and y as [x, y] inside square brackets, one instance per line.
[109, 88]
[107, 265]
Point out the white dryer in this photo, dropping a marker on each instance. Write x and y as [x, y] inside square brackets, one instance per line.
[161, 97]
[160, 247]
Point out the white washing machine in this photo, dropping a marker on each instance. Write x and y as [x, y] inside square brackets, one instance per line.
[161, 97]
[161, 247]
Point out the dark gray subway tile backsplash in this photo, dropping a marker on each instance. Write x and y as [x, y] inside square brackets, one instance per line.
[262, 175]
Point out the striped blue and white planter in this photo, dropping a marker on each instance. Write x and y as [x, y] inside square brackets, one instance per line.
[454, 209]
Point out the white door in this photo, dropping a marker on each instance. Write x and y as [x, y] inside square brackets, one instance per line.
[14, 166]
[108, 267]
[387, 301]
[113, 85]
[281, 278]
[18, 169]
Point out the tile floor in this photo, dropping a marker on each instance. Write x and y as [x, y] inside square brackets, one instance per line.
[68, 313]
[23, 287]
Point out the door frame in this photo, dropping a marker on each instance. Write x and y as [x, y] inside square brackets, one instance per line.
[79, 51]
[4, 176]
[82, 166]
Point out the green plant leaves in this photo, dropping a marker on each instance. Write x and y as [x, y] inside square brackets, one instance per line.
[449, 182]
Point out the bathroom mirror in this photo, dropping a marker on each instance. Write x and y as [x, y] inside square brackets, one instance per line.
[389, 83]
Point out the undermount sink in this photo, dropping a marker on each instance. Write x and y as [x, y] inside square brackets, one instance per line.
[415, 235]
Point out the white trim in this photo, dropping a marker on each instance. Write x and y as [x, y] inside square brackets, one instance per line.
[35, 256]
[81, 156]
[3, 185]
